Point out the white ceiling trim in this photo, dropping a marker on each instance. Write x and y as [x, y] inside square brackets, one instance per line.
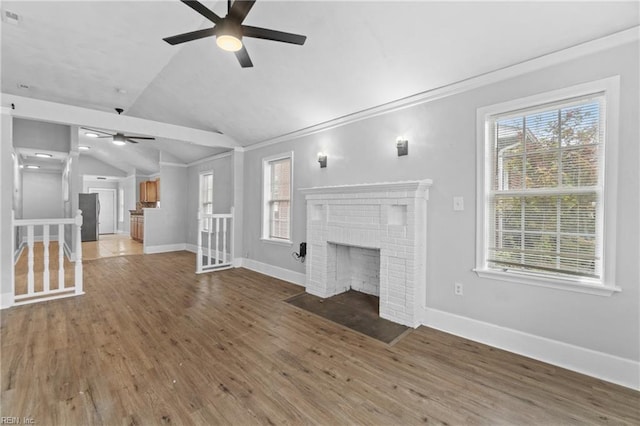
[166, 163]
[617, 39]
[35, 109]
[101, 178]
[211, 158]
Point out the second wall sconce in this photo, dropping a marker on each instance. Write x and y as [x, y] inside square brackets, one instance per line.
[403, 146]
[322, 159]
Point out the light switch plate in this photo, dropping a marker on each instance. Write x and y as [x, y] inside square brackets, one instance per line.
[458, 204]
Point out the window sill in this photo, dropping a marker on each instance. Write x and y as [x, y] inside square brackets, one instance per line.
[278, 242]
[555, 283]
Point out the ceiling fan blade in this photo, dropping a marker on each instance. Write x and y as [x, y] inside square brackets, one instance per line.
[202, 10]
[97, 131]
[240, 9]
[193, 35]
[264, 33]
[140, 137]
[243, 58]
[131, 140]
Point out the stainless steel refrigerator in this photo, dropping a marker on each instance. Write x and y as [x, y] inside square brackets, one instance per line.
[90, 206]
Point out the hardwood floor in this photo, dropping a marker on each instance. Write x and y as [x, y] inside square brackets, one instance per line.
[110, 245]
[153, 343]
[107, 246]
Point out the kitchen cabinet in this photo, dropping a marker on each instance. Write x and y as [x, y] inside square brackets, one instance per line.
[149, 191]
[137, 227]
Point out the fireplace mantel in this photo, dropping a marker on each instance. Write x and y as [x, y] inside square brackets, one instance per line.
[418, 186]
[388, 216]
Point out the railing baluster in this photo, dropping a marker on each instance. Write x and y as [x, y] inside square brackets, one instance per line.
[217, 240]
[78, 277]
[209, 224]
[48, 227]
[45, 272]
[60, 256]
[199, 250]
[30, 278]
[224, 240]
[218, 258]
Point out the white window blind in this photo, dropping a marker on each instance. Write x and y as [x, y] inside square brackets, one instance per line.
[279, 198]
[544, 204]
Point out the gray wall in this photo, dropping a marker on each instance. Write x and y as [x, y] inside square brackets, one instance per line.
[89, 165]
[42, 195]
[38, 134]
[6, 193]
[442, 147]
[167, 225]
[42, 198]
[222, 191]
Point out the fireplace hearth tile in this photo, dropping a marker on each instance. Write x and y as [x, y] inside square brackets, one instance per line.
[354, 310]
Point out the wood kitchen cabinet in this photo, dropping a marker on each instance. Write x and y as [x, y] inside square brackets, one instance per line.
[149, 191]
[137, 227]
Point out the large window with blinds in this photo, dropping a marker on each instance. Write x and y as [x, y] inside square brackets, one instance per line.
[544, 190]
[277, 198]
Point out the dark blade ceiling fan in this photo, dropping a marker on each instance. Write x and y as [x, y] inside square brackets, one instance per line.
[118, 138]
[229, 30]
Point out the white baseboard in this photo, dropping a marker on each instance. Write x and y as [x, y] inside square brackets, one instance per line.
[603, 366]
[6, 300]
[273, 271]
[165, 248]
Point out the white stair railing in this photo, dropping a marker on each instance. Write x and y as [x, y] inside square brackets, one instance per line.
[218, 232]
[46, 293]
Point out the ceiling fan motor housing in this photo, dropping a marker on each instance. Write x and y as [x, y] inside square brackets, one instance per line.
[229, 35]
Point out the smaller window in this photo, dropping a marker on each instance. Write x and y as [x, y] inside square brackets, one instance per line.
[277, 198]
[206, 195]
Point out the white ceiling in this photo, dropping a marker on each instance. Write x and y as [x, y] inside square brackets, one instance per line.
[358, 55]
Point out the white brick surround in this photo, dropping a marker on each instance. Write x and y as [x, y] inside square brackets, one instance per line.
[390, 217]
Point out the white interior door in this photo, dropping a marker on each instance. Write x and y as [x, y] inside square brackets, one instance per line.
[107, 213]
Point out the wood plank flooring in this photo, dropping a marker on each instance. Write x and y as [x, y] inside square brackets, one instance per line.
[153, 343]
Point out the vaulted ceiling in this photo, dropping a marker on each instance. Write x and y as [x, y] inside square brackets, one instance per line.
[358, 54]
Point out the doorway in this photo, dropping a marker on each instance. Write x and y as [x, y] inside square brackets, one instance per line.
[107, 210]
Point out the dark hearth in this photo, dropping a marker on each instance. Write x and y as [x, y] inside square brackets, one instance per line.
[354, 310]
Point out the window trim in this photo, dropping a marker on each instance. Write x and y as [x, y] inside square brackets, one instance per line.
[266, 177]
[201, 176]
[606, 285]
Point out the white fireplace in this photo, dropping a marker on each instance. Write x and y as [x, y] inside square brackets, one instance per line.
[354, 229]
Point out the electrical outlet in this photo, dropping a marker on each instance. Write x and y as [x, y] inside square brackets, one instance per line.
[457, 289]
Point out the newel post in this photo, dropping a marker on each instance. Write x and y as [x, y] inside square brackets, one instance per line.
[78, 277]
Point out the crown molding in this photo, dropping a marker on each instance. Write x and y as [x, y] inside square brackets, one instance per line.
[213, 157]
[167, 163]
[617, 39]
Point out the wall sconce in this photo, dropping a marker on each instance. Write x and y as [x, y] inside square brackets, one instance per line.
[403, 146]
[322, 159]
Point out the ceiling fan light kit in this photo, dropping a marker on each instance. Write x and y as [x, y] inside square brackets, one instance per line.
[229, 30]
[119, 139]
[229, 36]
